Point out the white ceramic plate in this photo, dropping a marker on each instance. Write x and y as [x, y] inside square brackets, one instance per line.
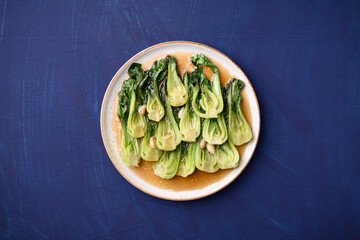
[110, 100]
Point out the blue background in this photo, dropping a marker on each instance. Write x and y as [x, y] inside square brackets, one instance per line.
[57, 58]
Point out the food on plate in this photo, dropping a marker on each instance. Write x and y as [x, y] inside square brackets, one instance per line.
[168, 165]
[207, 101]
[130, 146]
[189, 152]
[207, 161]
[168, 135]
[149, 150]
[214, 130]
[154, 106]
[228, 156]
[189, 122]
[181, 123]
[239, 129]
[136, 124]
[177, 92]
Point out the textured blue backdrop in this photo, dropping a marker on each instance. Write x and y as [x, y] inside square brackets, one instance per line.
[57, 58]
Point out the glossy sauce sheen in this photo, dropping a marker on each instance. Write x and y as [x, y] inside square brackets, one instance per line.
[198, 179]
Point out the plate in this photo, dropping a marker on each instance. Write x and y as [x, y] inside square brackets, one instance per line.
[110, 102]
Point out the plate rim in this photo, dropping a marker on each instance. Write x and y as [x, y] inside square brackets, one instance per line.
[106, 96]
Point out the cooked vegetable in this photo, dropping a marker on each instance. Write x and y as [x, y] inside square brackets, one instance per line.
[210, 102]
[239, 129]
[136, 124]
[155, 121]
[189, 152]
[168, 164]
[130, 146]
[177, 93]
[223, 156]
[149, 150]
[206, 161]
[124, 100]
[214, 130]
[189, 121]
[227, 155]
[154, 107]
[168, 135]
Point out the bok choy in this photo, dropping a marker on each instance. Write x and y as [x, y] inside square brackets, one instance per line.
[154, 106]
[136, 122]
[177, 93]
[181, 125]
[168, 135]
[149, 150]
[210, 102]
[130, 146]
[168, 165]
[189, 152]
[189, 122]
[207, 161]
[239, 129]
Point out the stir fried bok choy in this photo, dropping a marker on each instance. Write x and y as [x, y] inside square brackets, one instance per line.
[181, 125]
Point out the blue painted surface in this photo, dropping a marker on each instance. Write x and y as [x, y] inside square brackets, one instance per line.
[57, 58]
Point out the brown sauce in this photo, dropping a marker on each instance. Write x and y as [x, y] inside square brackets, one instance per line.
[198, 179]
